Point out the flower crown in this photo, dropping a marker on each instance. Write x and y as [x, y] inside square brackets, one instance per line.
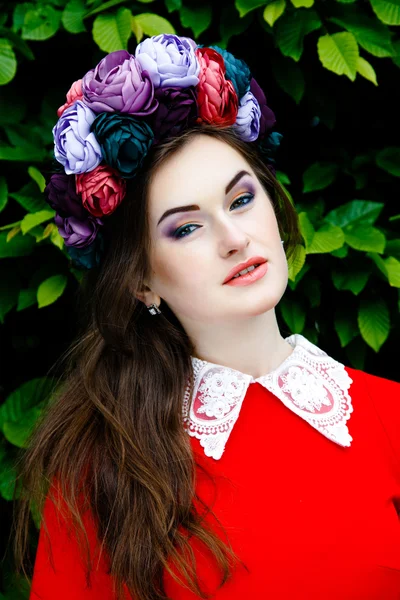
[127, 103]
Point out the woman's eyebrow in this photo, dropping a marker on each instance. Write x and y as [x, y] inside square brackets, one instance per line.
[191, 207]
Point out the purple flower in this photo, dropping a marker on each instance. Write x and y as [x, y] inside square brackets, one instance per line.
[60, 194]
[176, 110]
[77, 233]
[247, 123]
[119, 84]
[267, 120]
[169, 59]
[75, 146]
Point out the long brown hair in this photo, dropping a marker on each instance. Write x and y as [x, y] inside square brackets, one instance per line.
[112, 435]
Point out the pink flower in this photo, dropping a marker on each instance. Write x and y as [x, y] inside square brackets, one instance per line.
[102, 190]
[75, 93]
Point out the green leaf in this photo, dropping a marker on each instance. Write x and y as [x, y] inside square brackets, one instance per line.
[230, 25]
[30, 198]
[297, 262]
[282, 177]
[18, 433]
[7, 476]
[273, 11]
[393, 248]
[374, 321]
[37, 232]
[21, 135]
[365, 238]
[51, 289]
[17, 43]
[293, 284]
[293, 314]
[289, 77]
[20, 11]
[72, 16]
[341, 252]
[396, 57]
[26, 298]
[152, 24]
[32, 219]
[245, 6]
[8, 62]
[32, 393]
[302, 3]
[306, 228]
[390, 267]
[351, 279]
[388, 159]
[339, 53]
[198, 18]
[3, 193]
[319, 176]
[38, 177]
[366, 70]
[17, 246]
[356, 211]
[26, 154]
[327, 238]
[10, 226]
[40, 22]
[372, 35]
[387, 11]
[101, 6]
[292, 28]
[56, 239]
[112, 32]
[393, 271]
[346, 328]
[137, 30]
[173, 5]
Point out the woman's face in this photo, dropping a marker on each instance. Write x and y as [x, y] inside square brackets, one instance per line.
[194, 250]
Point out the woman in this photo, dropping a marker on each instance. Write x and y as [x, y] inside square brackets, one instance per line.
[193, 451]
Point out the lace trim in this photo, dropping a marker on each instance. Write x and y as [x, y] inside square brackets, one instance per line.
[308, 382]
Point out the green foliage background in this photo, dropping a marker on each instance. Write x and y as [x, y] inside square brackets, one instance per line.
[330, 69]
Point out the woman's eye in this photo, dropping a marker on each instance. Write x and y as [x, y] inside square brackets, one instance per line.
[248, 197]
[177, 233]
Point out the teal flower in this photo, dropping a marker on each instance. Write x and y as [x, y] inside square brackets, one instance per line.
[236, 70]
[268, 148]
[124, 141]
[88, 256]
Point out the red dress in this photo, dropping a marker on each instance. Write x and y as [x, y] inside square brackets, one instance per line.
[306, 462]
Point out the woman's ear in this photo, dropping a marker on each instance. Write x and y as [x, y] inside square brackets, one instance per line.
[147, 296]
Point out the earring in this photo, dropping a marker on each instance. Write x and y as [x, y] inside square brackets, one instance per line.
[154, 310]
[282, 241]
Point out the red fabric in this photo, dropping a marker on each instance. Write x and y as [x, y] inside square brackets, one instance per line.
[310, 519]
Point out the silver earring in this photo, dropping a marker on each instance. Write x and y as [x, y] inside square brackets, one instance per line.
[154, 310]
[282, 241]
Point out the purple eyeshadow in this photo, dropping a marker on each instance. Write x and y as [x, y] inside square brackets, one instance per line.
[170, 228]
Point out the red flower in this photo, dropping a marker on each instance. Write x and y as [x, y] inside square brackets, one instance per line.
[217, 100]
[102, 190]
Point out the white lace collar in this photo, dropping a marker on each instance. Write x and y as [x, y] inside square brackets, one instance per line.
[309, 382]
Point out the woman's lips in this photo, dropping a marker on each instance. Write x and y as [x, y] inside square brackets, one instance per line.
[249, 278]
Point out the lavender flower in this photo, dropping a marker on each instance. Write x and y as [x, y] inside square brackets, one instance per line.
[170, 60]
[75, 146]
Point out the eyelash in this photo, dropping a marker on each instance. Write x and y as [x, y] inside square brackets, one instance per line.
[180, 229]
